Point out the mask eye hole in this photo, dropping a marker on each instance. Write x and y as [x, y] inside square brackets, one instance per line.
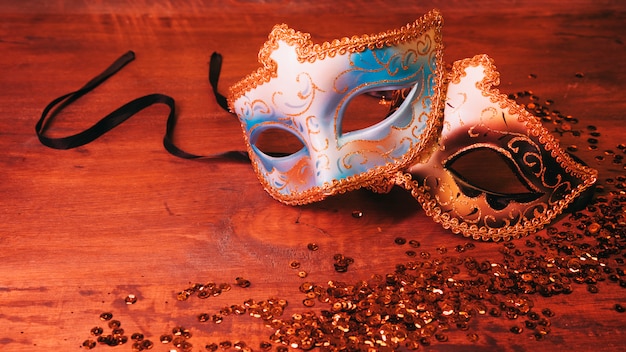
[486, 171]
[276, 142]
[365, 110]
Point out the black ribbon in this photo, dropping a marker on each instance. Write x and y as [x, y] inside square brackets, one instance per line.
[124, 112]
[215, 67]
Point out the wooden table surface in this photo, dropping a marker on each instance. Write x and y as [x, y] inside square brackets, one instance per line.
[82, 229]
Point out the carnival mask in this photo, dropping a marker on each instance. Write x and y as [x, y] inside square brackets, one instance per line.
[304, 88]
[479, 120]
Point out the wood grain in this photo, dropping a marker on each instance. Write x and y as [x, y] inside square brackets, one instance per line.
[81, 229]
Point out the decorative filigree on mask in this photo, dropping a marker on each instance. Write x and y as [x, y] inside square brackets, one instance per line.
[478, 119]
[304, 88]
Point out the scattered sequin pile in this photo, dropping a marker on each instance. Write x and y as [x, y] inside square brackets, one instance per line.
[116, 336]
